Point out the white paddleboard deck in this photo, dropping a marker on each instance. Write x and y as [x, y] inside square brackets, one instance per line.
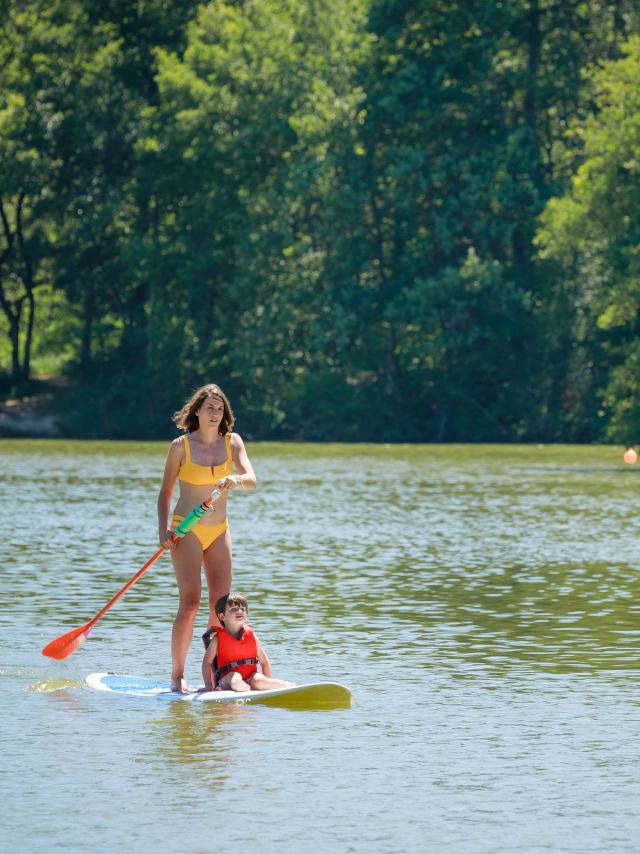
[319, 695]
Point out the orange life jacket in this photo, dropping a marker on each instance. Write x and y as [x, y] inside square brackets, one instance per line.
[236, 654]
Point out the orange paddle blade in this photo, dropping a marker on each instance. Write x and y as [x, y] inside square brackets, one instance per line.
[66, 644]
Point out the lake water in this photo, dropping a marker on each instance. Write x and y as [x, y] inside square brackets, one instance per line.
[481, 602]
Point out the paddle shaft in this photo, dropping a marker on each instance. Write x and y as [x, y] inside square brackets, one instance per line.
[181, 530]
[64, 645]
[124, 589]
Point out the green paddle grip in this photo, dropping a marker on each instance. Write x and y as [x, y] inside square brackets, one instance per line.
[194, 517]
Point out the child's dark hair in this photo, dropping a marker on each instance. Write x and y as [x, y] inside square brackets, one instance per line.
[231, 599]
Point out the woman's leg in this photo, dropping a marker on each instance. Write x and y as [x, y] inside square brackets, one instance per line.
[217, 570]
[187, 562]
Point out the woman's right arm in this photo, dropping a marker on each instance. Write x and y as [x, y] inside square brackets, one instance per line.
[171, 469]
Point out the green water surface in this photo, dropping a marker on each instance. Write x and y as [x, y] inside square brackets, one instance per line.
[481, 602]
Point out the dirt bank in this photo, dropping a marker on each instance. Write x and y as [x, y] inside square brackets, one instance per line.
[28, 417]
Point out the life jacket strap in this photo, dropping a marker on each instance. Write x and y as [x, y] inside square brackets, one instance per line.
[239, 663]
[206, 637]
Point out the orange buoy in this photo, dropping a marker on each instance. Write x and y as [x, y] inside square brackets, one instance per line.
[630, 456]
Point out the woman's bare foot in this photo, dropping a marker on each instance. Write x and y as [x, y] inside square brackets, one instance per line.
[179, 686]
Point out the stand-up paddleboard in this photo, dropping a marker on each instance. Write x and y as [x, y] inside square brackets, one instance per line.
[316, 695]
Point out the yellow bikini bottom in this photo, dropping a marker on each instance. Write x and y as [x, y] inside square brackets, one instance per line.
[207, 534]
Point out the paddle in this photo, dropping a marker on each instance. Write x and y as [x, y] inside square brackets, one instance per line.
[66, 644]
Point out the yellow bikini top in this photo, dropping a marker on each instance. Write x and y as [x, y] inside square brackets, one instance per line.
[204, 475]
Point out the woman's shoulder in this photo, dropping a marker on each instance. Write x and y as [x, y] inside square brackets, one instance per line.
[236, 440]
[177, 445]
[174, 459]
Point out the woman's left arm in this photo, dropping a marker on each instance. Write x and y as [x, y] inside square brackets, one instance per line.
[245, 477]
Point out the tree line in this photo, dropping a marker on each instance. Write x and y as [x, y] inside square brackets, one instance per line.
[370, 220]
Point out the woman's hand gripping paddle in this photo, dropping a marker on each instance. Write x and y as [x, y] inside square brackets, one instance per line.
[66, 644]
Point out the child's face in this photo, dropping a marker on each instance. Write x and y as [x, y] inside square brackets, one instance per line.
[235, 618]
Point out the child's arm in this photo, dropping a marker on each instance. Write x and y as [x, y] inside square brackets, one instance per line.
[207, 664]
[263, 658]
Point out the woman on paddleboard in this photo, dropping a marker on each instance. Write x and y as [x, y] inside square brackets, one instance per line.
[202, 460]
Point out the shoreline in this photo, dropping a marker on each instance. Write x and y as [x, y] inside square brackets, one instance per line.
[29, 417]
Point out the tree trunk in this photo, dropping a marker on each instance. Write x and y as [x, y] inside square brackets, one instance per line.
[31, 315]
[88, 312]
[15, 255]
[14, 337]
[533, 66]
[520, 241]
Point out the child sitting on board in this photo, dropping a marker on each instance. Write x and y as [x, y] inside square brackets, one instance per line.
[233, 652]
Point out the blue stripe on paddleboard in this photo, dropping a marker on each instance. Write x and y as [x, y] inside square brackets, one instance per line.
[117, 682]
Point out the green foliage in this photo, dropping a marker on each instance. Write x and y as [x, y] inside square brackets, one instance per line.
[594, 231]
[330, 209]
[463, 348]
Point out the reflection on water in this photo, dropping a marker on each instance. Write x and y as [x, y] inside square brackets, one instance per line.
[197, 740]
[482, 603]
[48, 685]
